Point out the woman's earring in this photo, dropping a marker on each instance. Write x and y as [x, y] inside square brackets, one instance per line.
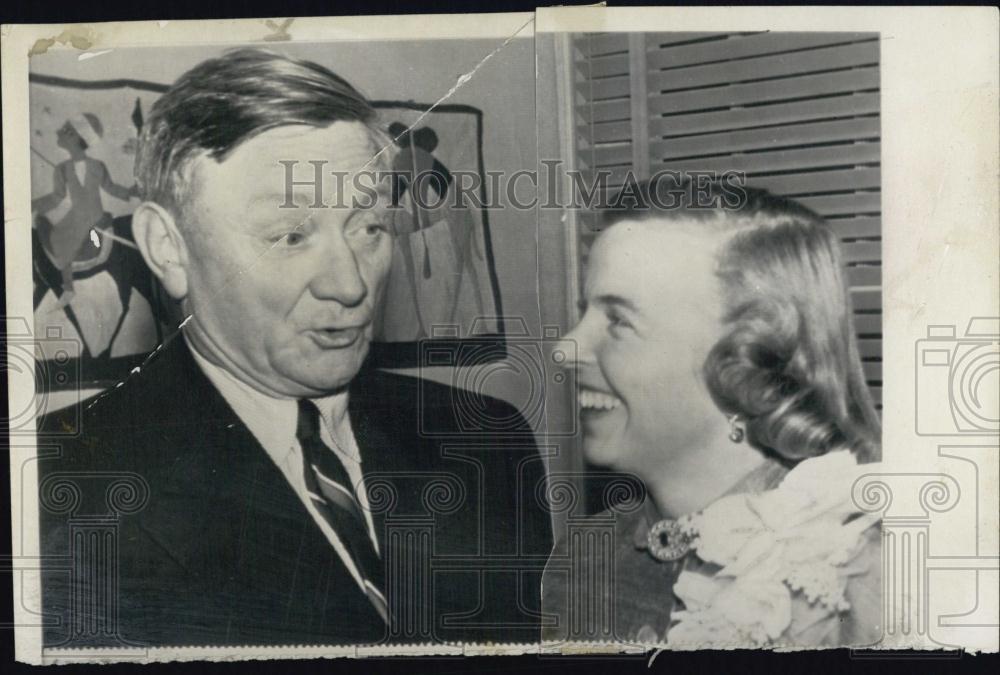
[735, 430]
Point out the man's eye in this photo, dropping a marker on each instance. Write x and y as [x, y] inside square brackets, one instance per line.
[373, 228]
[290, 239]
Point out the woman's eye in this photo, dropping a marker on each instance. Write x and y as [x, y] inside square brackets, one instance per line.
[617, 321]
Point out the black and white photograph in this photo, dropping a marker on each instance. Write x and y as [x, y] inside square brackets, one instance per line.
[316, 498]
[745, 234]
[582, 330]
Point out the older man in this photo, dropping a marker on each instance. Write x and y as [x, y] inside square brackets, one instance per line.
[257, 484]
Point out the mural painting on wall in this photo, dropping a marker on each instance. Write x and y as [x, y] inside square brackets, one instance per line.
[92, 287]
[441, 262]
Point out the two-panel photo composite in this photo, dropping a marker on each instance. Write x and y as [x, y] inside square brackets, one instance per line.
[582, 330]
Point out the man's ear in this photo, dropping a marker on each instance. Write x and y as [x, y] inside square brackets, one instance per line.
[162, 245]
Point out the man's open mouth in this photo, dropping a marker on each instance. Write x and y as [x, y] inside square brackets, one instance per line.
[336, 338]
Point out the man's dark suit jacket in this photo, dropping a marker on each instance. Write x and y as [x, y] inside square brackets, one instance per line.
[165, 522]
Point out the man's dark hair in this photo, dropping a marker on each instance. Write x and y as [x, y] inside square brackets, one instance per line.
[225, 101]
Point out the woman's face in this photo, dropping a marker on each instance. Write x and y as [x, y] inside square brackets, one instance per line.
[650, 314]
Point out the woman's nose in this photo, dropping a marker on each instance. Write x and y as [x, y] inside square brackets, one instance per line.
[577, 345]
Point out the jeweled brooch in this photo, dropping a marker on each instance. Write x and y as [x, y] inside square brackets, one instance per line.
[669, 540]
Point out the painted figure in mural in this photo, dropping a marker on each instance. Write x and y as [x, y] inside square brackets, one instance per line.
[76, 236]
[444, 234]
[416, 164]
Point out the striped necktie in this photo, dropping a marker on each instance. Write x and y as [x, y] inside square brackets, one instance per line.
[331, 490]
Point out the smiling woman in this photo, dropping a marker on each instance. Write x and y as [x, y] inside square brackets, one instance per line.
[715, 356]
[648, 320]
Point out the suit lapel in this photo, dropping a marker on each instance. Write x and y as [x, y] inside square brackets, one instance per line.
[376, 423]
[373, 439]
[252, 506]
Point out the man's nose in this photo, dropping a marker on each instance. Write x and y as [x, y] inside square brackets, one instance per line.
[340, 277]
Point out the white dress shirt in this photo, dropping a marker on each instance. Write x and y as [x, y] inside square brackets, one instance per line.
[273, 423]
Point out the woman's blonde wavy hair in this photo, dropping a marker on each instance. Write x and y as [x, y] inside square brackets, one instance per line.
[788, 362]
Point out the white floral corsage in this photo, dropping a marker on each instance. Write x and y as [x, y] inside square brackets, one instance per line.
[792, 543]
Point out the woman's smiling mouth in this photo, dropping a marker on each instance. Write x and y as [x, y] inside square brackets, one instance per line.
[591, 400]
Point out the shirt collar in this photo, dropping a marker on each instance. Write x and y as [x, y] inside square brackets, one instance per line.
[273, 420]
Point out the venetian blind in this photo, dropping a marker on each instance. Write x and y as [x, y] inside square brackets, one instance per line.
[798, 113]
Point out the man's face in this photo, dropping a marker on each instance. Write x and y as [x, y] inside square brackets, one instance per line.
[651, 314]
[284, 298]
